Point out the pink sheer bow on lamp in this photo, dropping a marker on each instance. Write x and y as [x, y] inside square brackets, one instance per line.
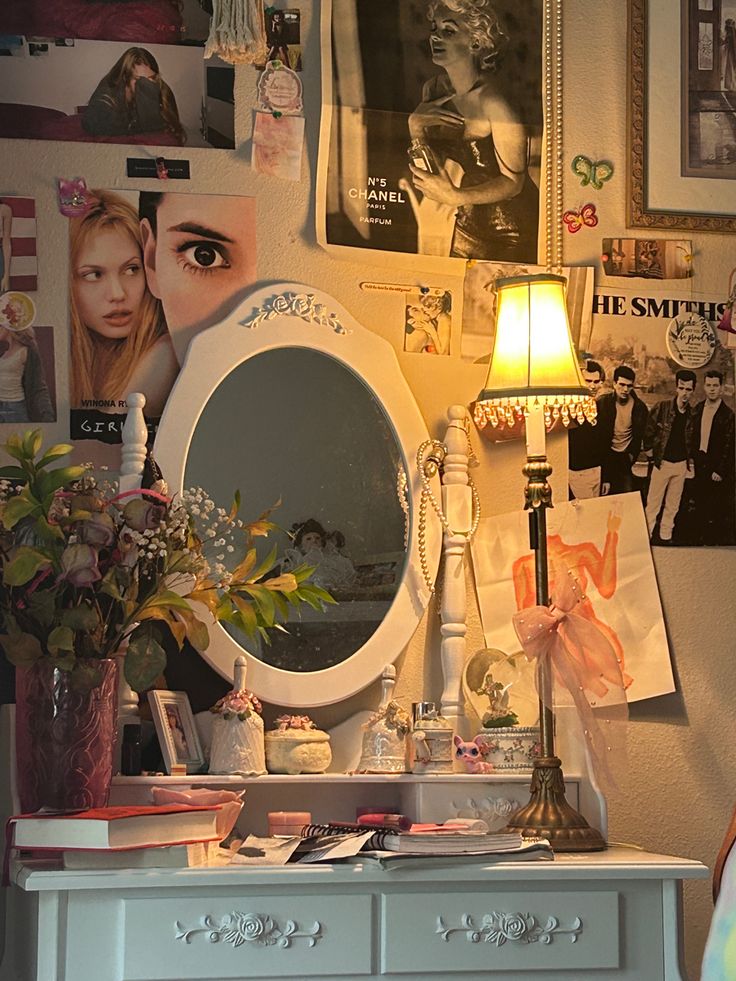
[534, 375]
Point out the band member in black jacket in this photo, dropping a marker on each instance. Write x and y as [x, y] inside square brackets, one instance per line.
[622, 418]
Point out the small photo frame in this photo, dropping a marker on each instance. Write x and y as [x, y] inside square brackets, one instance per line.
[176, 731]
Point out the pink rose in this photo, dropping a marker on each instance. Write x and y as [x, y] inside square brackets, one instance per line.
[79, 565]
[98, 529]
[141, 515]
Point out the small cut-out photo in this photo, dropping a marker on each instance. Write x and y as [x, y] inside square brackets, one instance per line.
[428, 321]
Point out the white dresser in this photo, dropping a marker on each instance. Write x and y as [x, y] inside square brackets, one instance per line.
[608, 915]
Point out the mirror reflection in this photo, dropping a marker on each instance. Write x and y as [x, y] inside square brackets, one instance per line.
[297, 426]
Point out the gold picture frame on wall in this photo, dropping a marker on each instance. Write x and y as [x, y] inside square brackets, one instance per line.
[678, 106]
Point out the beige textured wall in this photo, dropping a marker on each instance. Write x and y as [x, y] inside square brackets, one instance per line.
[678, 795]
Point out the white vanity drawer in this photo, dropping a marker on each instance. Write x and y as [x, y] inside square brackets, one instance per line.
[246, 936]
[499, 931]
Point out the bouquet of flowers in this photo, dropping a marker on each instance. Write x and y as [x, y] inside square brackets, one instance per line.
[87, 571]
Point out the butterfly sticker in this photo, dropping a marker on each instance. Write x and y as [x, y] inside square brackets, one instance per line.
[576, 219]
[592, 172]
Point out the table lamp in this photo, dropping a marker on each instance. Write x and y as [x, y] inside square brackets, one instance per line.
[534, 375]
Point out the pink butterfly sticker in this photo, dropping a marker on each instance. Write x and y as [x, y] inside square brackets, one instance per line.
[576, 219]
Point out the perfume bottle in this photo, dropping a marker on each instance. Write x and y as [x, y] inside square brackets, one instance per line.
[130, 751]
[422, 156]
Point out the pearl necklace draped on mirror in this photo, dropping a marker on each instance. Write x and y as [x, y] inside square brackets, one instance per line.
[430, 457]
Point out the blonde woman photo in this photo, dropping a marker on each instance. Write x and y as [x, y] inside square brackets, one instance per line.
[119, 340]
[24, 394]
[475, 137]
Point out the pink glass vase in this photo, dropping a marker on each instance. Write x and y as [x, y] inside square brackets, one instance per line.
[64, 736]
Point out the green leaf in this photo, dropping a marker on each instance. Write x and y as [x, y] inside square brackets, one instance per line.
[53, 453]
[47, 532]
[17, 507]
[281, 604]
[14, 448]
[32, 442]
[52, 480]
[41, 607]
[60, 639]
[235, 507]
[167, 599]
[247, 614]
[145, 658]
[24, 565]
[21, 649]
[315, 596]
[268, 563]
[242, 570]
[197, 633]
[111, 585]
[311, 591]
[264, 602]
[83, 617]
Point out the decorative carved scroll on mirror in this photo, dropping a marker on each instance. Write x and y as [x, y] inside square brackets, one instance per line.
[290, 400]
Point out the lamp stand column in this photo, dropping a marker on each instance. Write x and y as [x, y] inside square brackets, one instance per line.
[548, 814]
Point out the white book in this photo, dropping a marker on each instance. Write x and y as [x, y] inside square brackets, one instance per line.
[158, 857]
[118, 827]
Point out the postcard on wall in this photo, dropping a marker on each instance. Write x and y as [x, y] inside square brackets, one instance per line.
[657, 361]
[148, 271]
[29, 382]
[114, 92]
[283, 37]
[647, 258]
[18, 262]
[277, 146]
[427, 321]
[479, 304]
[406, 162]
[603, 544]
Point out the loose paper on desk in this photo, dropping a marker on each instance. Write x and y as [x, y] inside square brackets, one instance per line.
[265, 851]
[603, 542]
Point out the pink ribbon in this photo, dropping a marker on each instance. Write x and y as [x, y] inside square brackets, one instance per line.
[582, 661]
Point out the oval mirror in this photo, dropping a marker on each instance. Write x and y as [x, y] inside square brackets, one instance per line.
[290, 400]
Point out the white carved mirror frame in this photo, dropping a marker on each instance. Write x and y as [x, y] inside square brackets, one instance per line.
[291, 315]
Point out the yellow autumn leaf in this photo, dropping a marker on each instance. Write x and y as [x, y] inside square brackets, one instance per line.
[285, 583]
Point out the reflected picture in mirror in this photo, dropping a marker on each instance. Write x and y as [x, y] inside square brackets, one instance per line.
[298, 426]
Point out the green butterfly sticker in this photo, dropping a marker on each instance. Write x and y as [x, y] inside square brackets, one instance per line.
[590, 172]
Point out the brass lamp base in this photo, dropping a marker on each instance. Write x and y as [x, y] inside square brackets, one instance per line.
[548, 814]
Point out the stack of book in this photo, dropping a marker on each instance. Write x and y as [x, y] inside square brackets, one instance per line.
[157, 836]
[420, 840]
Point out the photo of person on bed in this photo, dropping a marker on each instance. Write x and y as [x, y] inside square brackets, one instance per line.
[119, 341]
[133, 98]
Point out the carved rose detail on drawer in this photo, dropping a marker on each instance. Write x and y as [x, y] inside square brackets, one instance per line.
[521, 928]
[238, 928]
[302, 305]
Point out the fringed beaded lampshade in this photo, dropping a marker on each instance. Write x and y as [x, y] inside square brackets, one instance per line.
[533, 360]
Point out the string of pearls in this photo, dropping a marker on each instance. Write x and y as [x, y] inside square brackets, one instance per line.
[553, 150]
[427, 466]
